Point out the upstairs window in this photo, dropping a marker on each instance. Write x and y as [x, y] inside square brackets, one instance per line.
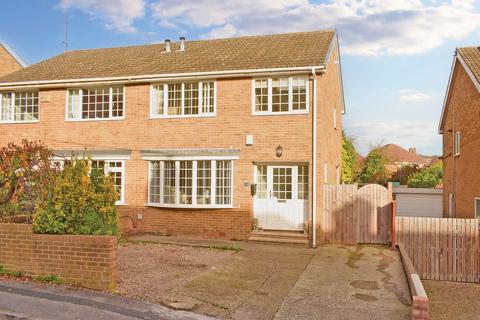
[280, 95]
[96, 103]
[456, 144]
[183, 99]
[19, 106]
[191, 183]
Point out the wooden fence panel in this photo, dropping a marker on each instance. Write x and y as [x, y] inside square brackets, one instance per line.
[374, 212]
[441, 248]
[339, 219]
[352, 215]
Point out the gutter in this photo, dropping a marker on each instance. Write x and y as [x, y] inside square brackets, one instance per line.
[157, 77]
[314, 162]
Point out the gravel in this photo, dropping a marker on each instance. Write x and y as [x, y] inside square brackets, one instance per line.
[150, 271]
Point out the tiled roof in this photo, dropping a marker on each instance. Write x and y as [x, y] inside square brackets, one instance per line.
[303, 49]
[471, 56]
[394, 153]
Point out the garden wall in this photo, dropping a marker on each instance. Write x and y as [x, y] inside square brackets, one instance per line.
[89, 261]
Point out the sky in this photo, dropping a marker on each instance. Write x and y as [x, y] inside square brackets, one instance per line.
[396, 55]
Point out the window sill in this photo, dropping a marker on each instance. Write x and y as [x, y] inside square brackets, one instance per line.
[279, 113]
[187, 206]
[210, 115]
[95, 119]
[19, 122]
[121, 204]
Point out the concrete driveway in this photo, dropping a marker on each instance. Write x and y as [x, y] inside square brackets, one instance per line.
[289, 282]
[350, 282]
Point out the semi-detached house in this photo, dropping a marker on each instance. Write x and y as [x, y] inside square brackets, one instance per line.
[209, 138]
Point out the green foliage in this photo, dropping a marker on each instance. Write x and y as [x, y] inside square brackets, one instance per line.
[48, 278]
[225, 248]
[10, 273]
[82, 202]
[374, 168]
[427, 177]
[26, 176]
[403, 173]
[349, 161]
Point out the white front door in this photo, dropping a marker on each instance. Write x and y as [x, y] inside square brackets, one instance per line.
[281, 199]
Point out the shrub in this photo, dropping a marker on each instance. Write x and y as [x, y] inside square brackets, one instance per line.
[82, 202]
[428, 177]
[373, 170]
[26, 176]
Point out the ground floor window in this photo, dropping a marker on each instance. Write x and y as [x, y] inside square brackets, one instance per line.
[115, 169]
[191, 183]
[477, 208]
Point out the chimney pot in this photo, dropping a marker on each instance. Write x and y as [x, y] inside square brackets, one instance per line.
[412, 150]
[182, 43]
[167, 46]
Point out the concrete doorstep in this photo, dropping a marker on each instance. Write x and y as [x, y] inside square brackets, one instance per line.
[29, 301]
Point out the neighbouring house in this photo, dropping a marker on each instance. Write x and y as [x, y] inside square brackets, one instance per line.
[460, 129]
[202, 137]
[9, 60]
[398, 157]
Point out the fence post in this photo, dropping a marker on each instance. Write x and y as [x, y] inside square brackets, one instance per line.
[394, 221]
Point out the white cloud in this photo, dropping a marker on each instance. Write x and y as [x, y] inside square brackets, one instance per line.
[118, 15]
[424, 136]
[367, 27]
[409, 95]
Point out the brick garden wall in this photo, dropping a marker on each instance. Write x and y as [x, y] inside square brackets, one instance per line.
[89, 261]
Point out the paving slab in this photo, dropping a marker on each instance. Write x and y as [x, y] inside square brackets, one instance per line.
[350, 282]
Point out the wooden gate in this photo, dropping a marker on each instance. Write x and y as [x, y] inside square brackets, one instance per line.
[353, 215]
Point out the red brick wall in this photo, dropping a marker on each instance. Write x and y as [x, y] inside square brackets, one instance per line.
[8, 64]
[90, 261]
[233, 121]
[461, 174]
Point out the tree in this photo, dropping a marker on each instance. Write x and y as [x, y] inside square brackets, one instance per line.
[82, 202]
[26, 176]
[427, 177]
[403, 173]
[349, 160]
[373, 170]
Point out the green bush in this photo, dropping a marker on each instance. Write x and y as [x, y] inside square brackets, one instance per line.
[26, 176]
[48, 278]
[81, 202]
[428, 177]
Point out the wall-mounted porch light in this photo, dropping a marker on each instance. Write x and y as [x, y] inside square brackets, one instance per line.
[279, 151]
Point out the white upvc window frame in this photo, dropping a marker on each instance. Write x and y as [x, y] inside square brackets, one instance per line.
[213, 181]
[11, 119]
[335, 118]
[165, 114]
[121, 202]
[477, 209]
[325, 173]
[457, 138]
[107, 170]
[80, 99]
[290, 96]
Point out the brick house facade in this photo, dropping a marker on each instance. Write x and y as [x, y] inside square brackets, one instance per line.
[9, 60]
[193, 174]
[460, 129]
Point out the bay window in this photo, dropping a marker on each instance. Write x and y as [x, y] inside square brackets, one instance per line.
[95, 103]
[183, 99]
[191, 183]
[19, 106]
[280, 95]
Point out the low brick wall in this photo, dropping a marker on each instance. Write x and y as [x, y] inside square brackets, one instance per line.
[417, 292]
[90, 261]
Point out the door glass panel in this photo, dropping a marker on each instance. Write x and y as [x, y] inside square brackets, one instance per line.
[282, 183]
[261, 182]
